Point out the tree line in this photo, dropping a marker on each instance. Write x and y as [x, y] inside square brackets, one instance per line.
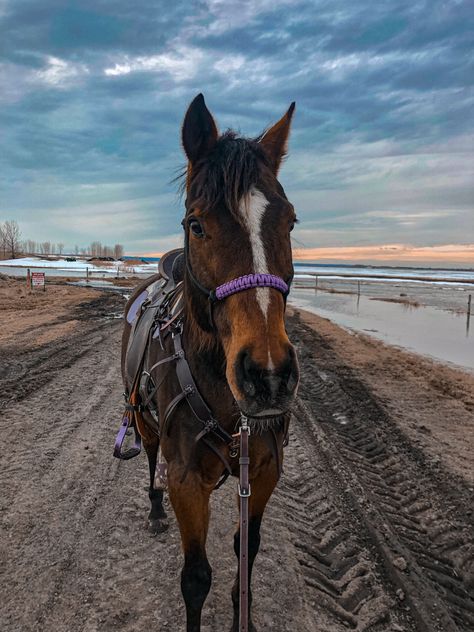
[12, 245]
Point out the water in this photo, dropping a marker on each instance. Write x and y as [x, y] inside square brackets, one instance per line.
[440, 334]
[423, 275]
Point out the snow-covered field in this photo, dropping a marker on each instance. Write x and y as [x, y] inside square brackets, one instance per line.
[303, 272]
[78, 268]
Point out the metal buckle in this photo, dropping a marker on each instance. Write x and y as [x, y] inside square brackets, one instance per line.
[244, 493]
[234, 447]
[244, 425]
[210, 424]
[176, 328]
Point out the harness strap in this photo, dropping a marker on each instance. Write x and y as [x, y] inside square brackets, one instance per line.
[147, 395]
[225, 463]
[171, 408]
[244, 494]
[170, 358]
[194, 398]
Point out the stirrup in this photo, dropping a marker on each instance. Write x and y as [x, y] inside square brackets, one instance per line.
[135, 450]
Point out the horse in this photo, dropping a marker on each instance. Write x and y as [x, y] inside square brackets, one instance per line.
[242, 365]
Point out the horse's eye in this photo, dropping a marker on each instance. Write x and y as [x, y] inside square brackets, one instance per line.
[196, 228]
[293, 222]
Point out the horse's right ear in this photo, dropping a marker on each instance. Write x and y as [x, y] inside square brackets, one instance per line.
[199, 133]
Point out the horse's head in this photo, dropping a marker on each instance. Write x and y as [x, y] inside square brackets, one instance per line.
[238, 222]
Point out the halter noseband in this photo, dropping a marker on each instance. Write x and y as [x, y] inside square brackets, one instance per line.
[249, 281]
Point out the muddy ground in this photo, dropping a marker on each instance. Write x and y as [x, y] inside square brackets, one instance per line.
[371, 527]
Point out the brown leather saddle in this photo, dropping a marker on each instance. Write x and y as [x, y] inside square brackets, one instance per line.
[154, 309]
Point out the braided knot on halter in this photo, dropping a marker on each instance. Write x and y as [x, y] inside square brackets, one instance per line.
[249, 281]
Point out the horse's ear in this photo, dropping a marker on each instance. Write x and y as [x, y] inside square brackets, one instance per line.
[275, 139]
[199, 133]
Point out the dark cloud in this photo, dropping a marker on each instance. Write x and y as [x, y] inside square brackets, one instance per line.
[95, 93]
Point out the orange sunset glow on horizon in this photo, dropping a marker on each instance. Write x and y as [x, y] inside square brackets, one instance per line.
[390, 254]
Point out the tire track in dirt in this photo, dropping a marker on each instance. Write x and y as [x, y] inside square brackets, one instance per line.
[339, 569]
[23, 369]
[426, 551]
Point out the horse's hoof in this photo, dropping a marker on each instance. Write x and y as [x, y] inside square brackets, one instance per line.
[158, 525]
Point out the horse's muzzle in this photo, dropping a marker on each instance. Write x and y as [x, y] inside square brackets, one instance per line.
[266, 391]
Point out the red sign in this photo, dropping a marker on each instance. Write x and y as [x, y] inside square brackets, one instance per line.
[37, 279]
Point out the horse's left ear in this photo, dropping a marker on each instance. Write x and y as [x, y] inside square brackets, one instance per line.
[275, 139]
[199, 133]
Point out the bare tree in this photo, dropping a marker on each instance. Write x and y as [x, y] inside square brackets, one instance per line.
[118, 251]
[45, 248]
[11, 236]
[3, 243]
[31, 246]
[76, 249]
[60, 248]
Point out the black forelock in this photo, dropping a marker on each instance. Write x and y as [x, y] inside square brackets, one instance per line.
[227, 172]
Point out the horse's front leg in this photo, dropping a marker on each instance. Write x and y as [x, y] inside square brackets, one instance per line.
[261, 490]
[190, 501]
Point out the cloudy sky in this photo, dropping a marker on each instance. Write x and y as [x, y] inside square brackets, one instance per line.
[93, 94]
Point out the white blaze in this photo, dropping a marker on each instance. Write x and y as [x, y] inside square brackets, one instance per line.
[252, 209]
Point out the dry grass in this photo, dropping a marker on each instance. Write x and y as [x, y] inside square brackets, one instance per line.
[135, 262]
[403, 301]
[322, 288]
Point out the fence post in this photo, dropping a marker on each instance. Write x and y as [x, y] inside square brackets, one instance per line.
[316, 283]
[28, 279]
[468, 314]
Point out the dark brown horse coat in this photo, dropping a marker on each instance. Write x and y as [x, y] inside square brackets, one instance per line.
[237, 222]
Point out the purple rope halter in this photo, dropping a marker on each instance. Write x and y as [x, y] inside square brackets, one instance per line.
[248, 282]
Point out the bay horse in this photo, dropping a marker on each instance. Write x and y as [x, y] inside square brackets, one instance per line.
[237, 227]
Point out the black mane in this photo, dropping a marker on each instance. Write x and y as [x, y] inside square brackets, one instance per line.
[227, 172]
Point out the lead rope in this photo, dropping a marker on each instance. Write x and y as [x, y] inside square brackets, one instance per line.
[244, 493]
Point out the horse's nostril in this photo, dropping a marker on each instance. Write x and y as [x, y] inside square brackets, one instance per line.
[249, 388]
[247, 363]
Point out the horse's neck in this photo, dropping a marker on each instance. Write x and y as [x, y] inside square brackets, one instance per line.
[203, 351]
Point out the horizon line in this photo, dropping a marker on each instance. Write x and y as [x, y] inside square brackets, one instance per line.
[448, 253]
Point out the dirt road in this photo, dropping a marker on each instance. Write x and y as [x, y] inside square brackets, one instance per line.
[367, 530]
